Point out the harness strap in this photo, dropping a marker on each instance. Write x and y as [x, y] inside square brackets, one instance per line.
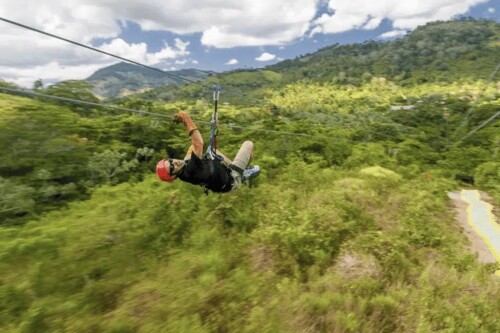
[212, 169]
[236, 168]
[212, 143]
[212, 173]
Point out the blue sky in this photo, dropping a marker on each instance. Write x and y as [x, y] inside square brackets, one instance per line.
[218, 35]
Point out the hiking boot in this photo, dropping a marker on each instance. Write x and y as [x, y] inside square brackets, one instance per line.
[251, 172]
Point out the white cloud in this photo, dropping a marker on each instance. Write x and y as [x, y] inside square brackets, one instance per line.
[346, 15]
[491, 10]
[259, 22]
[339, 22]
[139, 53]
[373, 23]
[392, 34]
[230, 36]
[241, 23]
[266, 57]
[231, 62]
[220, 23]
[50, 73]
[194, 62]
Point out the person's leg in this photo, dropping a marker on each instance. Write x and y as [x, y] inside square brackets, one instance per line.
[241, 161]
[244, 155]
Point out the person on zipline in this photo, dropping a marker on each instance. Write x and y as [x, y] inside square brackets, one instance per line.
[216, 175]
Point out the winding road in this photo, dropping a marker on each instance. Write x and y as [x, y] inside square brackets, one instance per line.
[482, 220]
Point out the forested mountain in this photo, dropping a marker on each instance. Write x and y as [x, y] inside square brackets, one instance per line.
[124, 78]
[449, 51]
[438, 51]
[347, 229]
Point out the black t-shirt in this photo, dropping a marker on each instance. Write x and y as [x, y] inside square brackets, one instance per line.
[197, 171]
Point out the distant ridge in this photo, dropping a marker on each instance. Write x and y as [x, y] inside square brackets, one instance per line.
[440, 51]
[122, 78]
[436, 51]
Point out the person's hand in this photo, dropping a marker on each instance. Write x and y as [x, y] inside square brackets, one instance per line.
[183, 117]
[179, 117]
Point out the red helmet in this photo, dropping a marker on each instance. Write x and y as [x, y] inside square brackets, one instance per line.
[162, 171]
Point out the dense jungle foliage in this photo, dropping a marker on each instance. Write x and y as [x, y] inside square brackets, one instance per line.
[347, 229]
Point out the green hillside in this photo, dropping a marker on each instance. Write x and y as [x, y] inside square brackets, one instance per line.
[437, 51]
[329, 250]
[347, 229]
[451, 51]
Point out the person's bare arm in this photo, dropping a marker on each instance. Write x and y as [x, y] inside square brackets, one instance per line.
[189, 152]
[194, 133]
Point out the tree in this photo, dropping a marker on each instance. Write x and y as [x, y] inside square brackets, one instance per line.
[15, 200]
[38, 85]
[487, 176]
[108, 165]
[368, 154]
[73, 89]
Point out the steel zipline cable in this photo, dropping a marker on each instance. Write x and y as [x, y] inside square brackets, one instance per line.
[166, 73]
[65, 99]
[466, 119]
[119, 108]
[483, 124]
[113, 55]
[259, 101]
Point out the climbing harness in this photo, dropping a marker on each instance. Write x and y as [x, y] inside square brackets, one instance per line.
[211, 152]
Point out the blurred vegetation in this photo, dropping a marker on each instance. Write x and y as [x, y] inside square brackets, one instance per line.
[347, 229]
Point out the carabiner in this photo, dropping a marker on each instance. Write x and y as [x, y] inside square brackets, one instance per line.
[216, 92]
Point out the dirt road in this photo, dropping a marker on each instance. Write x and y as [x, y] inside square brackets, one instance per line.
[479, 224]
